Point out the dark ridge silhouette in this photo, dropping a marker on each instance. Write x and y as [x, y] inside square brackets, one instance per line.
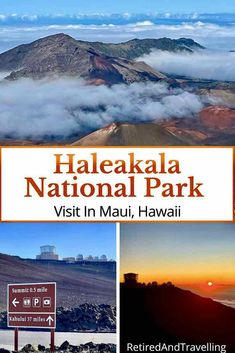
[164, 313]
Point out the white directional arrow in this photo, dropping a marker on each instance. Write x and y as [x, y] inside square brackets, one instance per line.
[15, 302]
[50, 319]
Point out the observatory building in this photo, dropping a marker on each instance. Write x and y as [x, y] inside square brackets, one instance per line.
[131, 278]
[48, 252]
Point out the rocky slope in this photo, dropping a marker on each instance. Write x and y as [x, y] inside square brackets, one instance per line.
[217, 117]
[95, 62]
[61, 55]
[86, 317]
[131, 135]
[67, 347]
[76, 283]
[214, 125]
[137, 47]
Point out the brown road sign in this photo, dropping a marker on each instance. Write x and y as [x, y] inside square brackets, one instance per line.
[32, 305]
[31, 320]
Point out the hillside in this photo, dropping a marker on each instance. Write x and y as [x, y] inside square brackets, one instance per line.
[76, 283]
[95, 62]
[131, 135]
[62, 55]
[85, 317]
[172, 315]
[214, 125]
[135, 48]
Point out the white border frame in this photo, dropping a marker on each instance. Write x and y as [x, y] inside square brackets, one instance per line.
[118, 225]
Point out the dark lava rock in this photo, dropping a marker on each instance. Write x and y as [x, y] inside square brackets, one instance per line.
[29, 348]
[2, 350]
[86, 317]
[64, 346]
[99, 318]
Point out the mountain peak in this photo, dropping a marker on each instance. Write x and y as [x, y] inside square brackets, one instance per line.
[125, 134]
[54, 38]
[60, 36]
[61, 55]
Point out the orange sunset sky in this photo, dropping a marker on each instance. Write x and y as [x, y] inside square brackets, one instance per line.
[190, 255]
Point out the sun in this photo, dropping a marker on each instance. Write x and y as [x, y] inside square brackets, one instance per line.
[210, 284]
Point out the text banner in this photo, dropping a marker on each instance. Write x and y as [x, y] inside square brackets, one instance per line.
[117, 184]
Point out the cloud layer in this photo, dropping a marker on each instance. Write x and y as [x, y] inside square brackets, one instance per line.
[211, 35]
[201, 64]
[63, 108]
[227, 302]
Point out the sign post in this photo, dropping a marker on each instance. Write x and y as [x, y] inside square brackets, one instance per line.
[52, 340]
[32, 305]
[16, 340]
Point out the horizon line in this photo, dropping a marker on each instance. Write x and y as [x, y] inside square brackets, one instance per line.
[124, 13]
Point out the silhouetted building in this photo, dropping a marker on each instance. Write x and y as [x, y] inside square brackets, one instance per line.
[131, 278]
[48, 252]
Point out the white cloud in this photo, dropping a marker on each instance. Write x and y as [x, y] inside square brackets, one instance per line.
[167, 15]
[210, 35]
[66, 107]
[201, 64]
[142, 24]
[227, 302]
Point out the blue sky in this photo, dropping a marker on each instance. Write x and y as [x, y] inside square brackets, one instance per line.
[75, 6]
[70, 239]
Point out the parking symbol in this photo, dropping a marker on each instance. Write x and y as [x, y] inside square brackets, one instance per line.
[26, 302]
[47, 302]
[36, 302]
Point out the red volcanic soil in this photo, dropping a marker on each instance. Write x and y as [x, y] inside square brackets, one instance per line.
[77, 283]
[96, 82]
[217, 117]
[101, 64]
